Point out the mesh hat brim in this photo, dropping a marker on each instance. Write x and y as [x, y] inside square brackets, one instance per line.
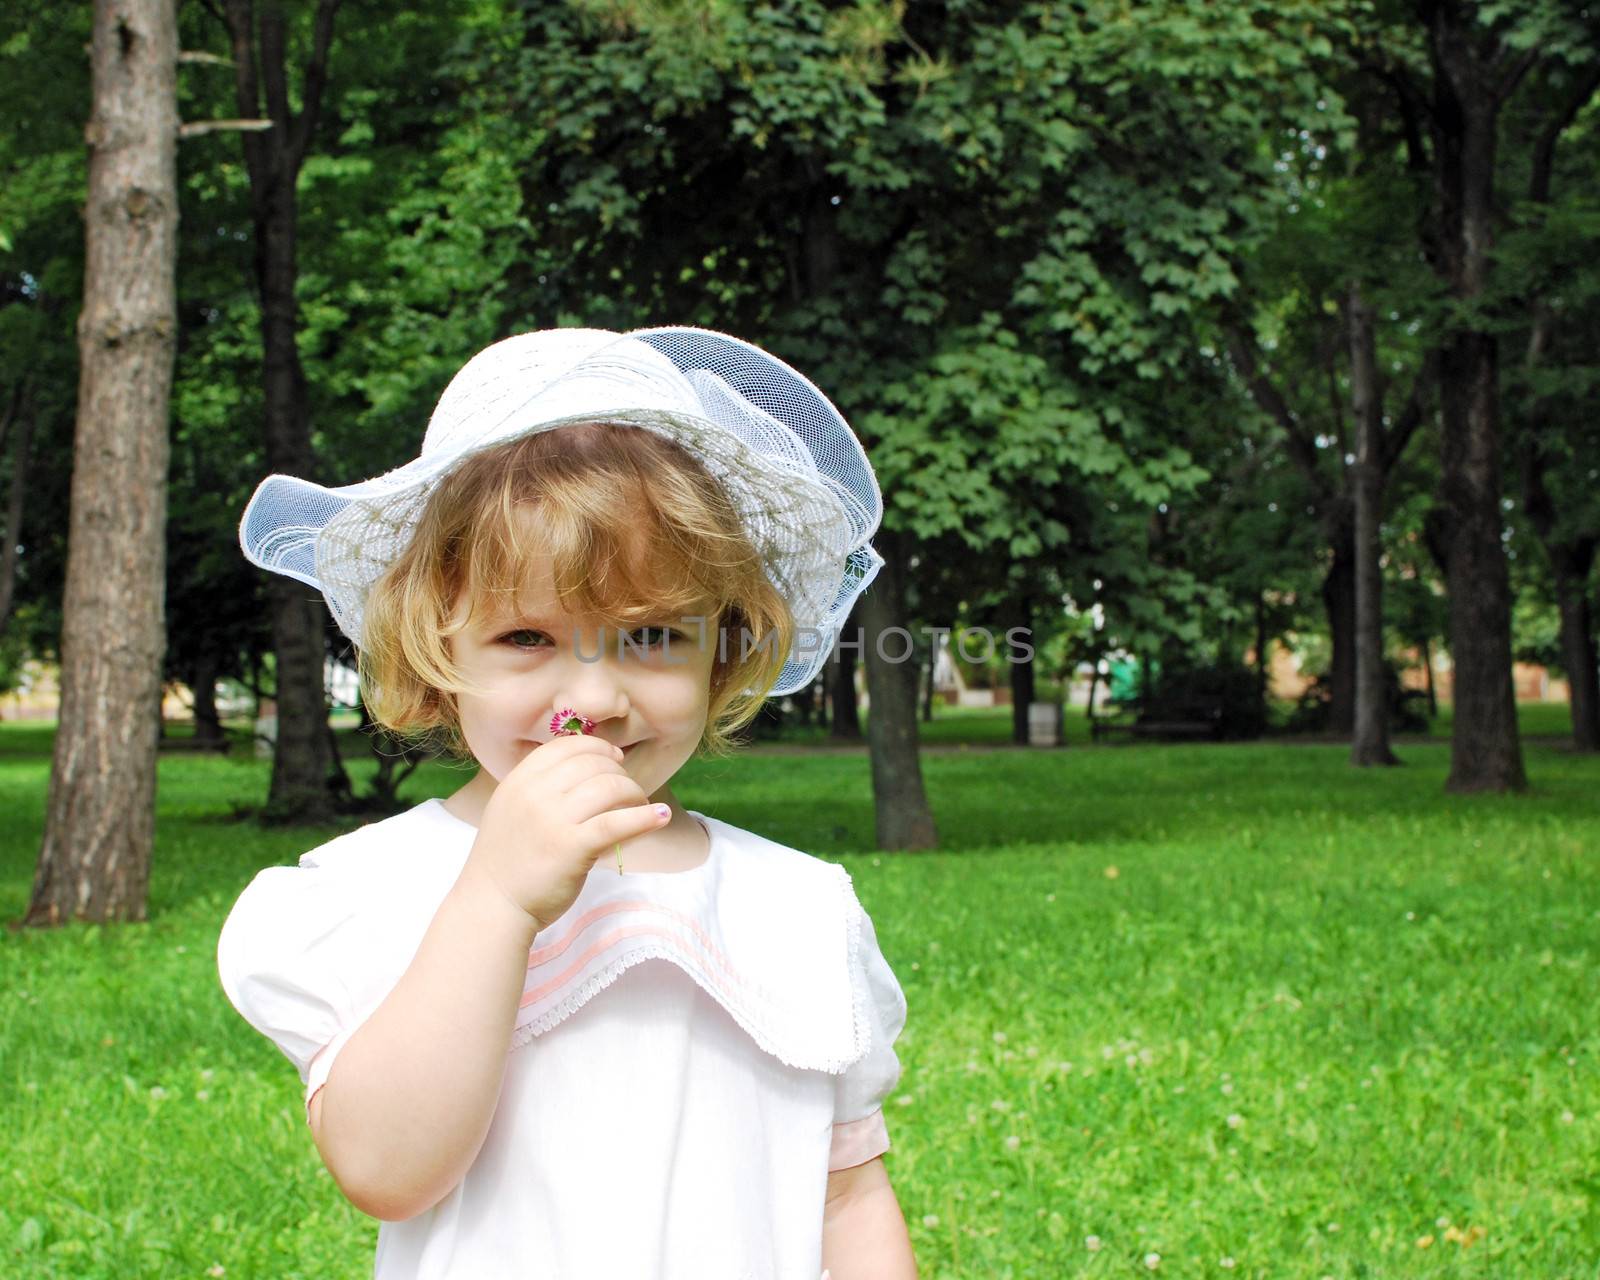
[791, 466]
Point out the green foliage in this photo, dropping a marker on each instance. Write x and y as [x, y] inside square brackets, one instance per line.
[999, 287]
[43, 81]
[1004, 237]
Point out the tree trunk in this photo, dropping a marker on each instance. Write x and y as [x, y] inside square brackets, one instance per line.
[303, 766]
[1571, 565]
[1339, 600]
[1370, 743]
[94, 862]
[1570, 559]
[929, 672]
[21, 417]
[1485, 751]
[903, 818]
[807, 704]
[1022, 674]
[841, 669]
[397, 760]
[307, 777]
[203, 684]
[1427, 668]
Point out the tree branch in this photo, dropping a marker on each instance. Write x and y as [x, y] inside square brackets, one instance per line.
[1513, 76]
[1414, 110]
[274, 73]
[10, 413]
[1425, 9]
[316, 82]
[1536, 503]
[195, 128]
[1302, 449]
[247, 90]
[1544, 149]
[1330, 362]
[1397, 438]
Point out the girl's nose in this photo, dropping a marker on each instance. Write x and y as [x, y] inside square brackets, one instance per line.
[595, 686]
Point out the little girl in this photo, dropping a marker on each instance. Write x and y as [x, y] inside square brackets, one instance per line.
[556, 1026]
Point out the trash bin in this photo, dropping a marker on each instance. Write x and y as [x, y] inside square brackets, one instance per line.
[1045, 724]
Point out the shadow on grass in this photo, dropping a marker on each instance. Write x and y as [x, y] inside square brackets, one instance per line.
[208, 847]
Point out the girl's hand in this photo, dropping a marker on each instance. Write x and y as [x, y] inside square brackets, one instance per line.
[566, 803]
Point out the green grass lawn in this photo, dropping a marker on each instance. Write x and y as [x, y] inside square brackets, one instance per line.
[1239, 1006]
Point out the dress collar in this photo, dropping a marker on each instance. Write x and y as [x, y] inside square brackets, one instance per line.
[770, 933]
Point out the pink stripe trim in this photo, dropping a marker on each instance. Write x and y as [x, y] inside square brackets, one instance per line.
[544, 955]
[604, 944]
[857, 1141]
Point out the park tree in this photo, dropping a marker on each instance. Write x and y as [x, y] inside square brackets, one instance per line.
[307, 777]
[1552, 291]
[42, 78]
[1453, 101]
[1114, 204]
[94, 861]
[1244, 532]
[1323, 337]
[392, 283]
[1429, 86]
[1474, 71]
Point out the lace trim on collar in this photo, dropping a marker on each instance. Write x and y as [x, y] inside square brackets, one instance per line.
[796, 1010]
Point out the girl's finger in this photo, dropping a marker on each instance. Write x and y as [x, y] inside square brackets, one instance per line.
[600, 792]
[565, 777]
[574, 744]
[615, 826]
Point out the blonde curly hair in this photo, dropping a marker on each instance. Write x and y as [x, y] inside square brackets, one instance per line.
[636, 530]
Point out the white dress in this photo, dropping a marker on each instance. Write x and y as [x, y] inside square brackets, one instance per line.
[694, 1051]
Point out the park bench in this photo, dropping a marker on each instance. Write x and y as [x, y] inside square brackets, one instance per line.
[1119, 719]
[1162, 718]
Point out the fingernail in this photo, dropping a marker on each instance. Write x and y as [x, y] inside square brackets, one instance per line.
[663, 811]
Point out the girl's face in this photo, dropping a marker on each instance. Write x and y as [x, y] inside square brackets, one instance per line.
[648, 692]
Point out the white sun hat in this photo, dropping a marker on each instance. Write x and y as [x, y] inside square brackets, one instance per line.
[791, 465]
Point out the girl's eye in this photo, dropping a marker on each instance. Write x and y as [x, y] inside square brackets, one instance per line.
[666, 632]
[529, 639]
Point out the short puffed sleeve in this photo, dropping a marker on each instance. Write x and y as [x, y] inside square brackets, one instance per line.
[309, 952]
[859, 1132]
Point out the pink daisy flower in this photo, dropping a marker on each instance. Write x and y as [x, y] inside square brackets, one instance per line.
[567, 721]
